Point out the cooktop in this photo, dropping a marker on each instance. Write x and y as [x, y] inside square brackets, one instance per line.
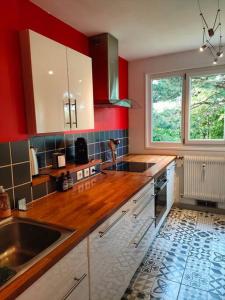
[130, 166]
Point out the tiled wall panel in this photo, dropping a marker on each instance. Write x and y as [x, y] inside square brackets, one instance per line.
[15, 164]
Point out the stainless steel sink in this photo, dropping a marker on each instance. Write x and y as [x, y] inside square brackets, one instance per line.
[23, 242]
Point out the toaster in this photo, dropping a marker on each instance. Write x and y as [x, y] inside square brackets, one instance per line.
[58, 160]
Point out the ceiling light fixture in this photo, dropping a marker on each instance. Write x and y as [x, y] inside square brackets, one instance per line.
[211, 34]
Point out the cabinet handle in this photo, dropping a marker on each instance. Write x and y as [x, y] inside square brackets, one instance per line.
[78, 281]
[67, 113]
[143, 208]
[102, 233]
[143, 235]
[74, 111]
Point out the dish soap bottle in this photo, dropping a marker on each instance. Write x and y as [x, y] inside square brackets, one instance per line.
[5, 209]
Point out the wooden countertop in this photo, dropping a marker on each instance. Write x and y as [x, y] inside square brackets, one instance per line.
[83, 208]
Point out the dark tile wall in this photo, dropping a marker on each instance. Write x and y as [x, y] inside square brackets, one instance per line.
[15, 170]
[15, 165]
[97, 145]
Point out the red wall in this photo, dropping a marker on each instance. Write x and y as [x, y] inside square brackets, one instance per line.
[20, 14]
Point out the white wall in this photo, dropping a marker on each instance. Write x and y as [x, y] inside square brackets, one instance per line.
[155, 65]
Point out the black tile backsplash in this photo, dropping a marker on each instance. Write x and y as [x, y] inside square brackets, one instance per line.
[41, 159]
[4, 154]
[50, 142]
[97, 145]
[39, 191]
[6, 177]
[59, 141]
[11, 198]
[38, 142]
[15, 167]
[22, 191]
[19, 151]
[21, 173]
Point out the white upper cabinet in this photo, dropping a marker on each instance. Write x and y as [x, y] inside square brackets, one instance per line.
[50, 84]
[57, 84]
[81, 90]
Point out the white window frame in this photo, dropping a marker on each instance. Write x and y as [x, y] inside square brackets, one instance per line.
[148, 110]
[185, 141]
[187, 107]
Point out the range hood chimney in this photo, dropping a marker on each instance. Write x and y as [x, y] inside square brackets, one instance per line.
[104, 53]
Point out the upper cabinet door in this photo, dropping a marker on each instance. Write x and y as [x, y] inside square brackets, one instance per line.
[80, 90]
[50, 84]
[45, 83]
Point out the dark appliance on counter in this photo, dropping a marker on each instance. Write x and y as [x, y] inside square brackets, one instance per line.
[160, 190]
[130, 166]
[81, 152]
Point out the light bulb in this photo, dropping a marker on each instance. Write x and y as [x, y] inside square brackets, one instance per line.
[50, 72]
[215, 61]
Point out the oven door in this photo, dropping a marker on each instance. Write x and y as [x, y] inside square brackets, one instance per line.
[160, 200]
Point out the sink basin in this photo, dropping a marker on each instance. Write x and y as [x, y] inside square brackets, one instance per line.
[23, 242]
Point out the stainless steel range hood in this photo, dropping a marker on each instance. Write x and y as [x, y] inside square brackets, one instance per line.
[104, 53]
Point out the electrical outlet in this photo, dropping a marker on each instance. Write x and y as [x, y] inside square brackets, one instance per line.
[79, 175]
[86, 172]
[92, 170]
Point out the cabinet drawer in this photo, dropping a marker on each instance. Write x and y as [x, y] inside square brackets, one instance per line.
[141, 195]
[65, 275]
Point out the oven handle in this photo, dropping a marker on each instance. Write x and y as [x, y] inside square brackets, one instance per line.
[162, 186]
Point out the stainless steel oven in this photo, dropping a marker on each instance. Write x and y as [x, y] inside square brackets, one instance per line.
[160, 191]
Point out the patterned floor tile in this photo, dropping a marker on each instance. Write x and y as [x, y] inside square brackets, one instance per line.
[196, 263]
[186, 257]
[163, 241]
[189, 293]
[200, 253]
[217, 280]
[152, 262]
[197, 277]
[164, 290]
[205, 221]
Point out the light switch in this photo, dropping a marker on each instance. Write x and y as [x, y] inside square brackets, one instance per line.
[79, 175]
[86, 172]
[92, 170]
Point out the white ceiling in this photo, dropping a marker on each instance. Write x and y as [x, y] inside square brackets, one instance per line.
[144, 28]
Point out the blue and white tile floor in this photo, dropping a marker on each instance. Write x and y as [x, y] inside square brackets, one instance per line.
[186, 261]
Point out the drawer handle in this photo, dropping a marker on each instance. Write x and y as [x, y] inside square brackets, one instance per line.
[78, 281]
[102, 233]
[140, 197]
[143, 208]
[143, 235]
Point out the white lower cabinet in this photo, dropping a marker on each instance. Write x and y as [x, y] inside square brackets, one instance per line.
[170, 185]
[117, 247]
[67, 279]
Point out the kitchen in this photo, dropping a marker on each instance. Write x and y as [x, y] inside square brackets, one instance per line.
[109, 196]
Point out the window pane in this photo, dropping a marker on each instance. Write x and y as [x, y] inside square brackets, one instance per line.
[167, 109]
[207, 99]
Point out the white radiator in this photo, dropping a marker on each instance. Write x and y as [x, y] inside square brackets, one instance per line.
[204, 178]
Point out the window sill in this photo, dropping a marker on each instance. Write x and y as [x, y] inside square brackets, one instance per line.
[205, 148]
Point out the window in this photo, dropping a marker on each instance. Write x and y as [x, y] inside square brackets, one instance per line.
[167, 109]
[206, 107]
[196, 99]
